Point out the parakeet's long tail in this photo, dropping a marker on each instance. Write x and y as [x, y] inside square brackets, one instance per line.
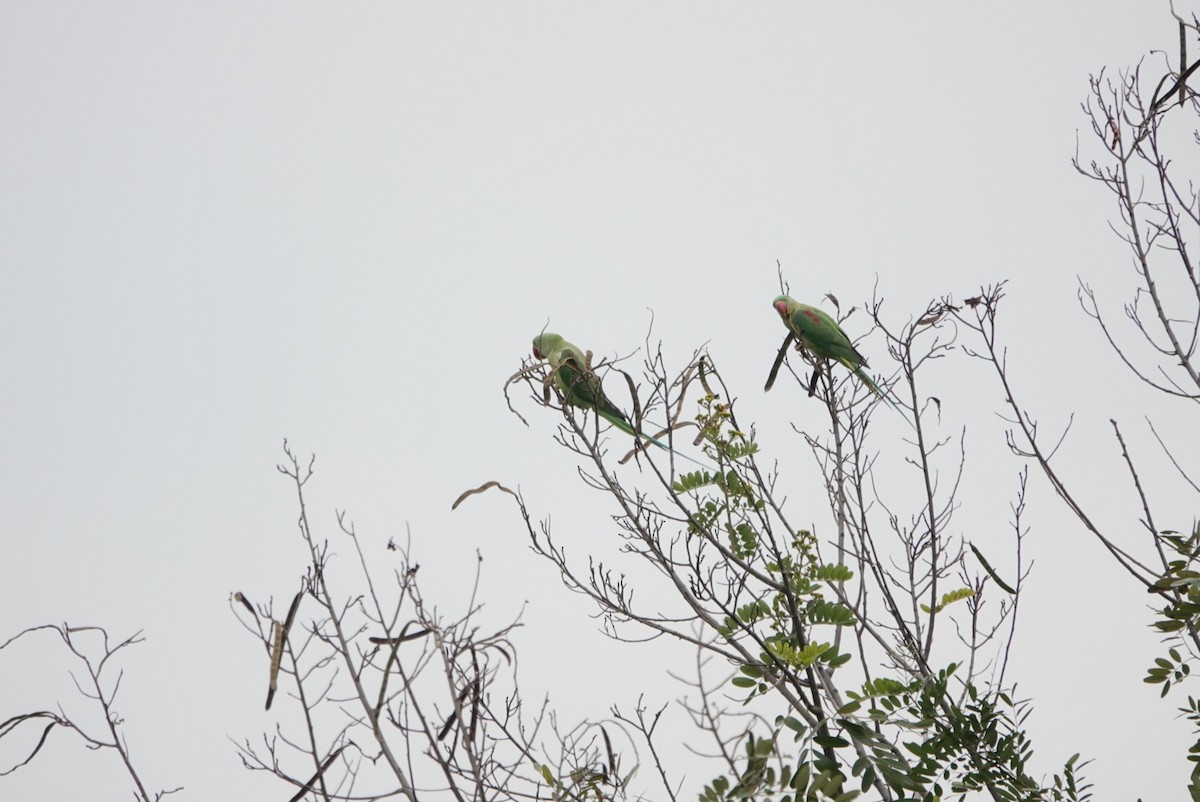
[626, 427]
[885, 395]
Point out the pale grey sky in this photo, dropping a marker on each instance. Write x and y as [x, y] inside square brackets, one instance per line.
[224, 223]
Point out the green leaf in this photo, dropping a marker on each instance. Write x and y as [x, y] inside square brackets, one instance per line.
[950, 598]
[955, 596]
[800, 781]
[811, 653]
[840, 660]
[833, 572]
[793, 724]
[824, 612]
[831, 741]
[693, 481]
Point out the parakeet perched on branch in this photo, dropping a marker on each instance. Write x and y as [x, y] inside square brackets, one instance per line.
[823, 338]
[580, 386]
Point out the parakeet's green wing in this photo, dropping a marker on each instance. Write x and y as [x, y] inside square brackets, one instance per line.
[824, 337]
[581, 387]
[568, 363]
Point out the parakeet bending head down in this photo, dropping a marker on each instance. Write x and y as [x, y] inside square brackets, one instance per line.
[574, 378]
[580, 386]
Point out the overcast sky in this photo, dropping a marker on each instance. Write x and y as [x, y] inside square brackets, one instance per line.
[223, 224]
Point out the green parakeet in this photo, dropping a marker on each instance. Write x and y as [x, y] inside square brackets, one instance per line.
[581, 387]
[824, 339]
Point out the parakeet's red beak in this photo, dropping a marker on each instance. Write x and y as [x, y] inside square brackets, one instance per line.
[537, 354]
[781, 307]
